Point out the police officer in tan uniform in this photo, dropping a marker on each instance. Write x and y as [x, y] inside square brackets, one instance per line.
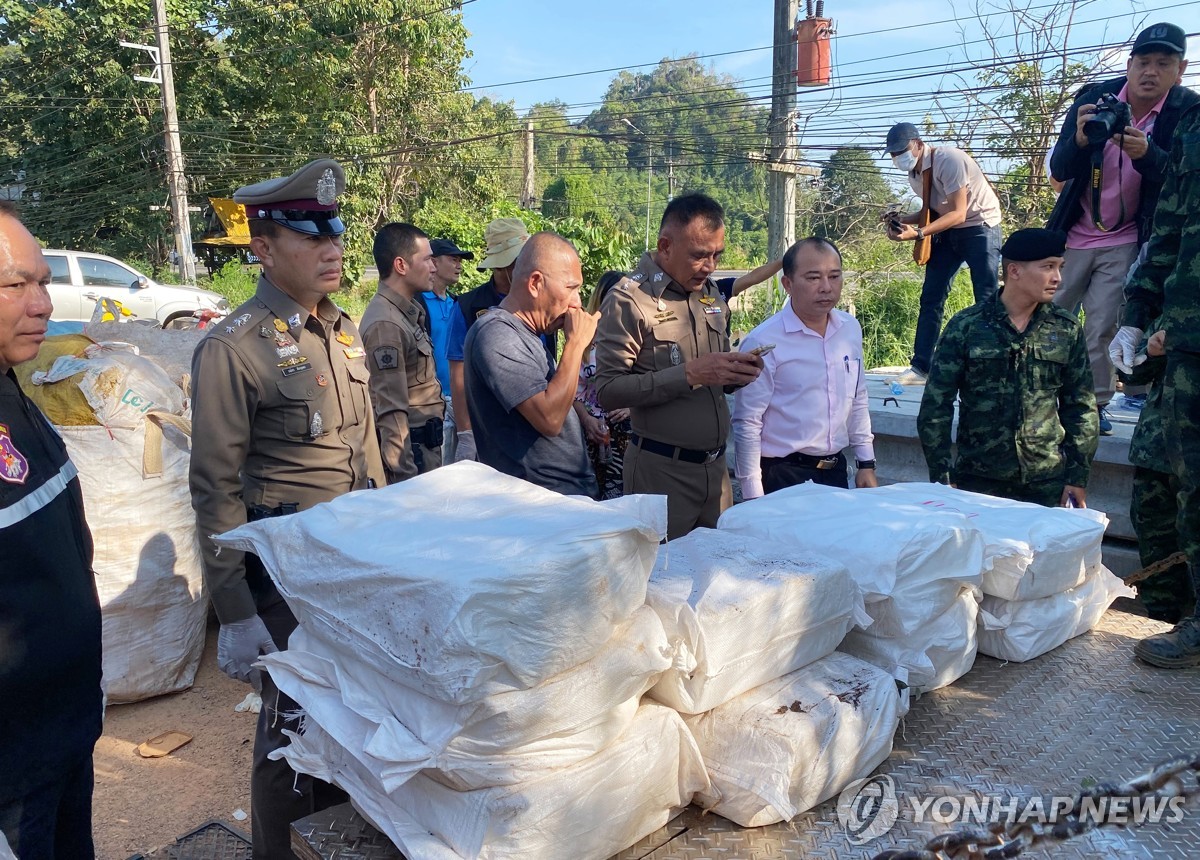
[663, 352]
[404, 385]
[281, 421]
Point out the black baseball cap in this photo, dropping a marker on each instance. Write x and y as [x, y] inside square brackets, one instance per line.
[1158, 37]
[446, 248]
[900, 136]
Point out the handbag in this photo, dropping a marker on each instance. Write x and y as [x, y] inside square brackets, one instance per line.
[922, 248]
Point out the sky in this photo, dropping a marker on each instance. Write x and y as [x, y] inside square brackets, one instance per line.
[875, 50]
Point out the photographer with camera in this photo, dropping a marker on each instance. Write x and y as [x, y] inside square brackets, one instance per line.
[1117, 133]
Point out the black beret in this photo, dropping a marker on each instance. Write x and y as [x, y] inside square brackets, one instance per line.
[1033, 243]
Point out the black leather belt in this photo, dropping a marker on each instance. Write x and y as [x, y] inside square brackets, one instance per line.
[814, 462]
[687, 455]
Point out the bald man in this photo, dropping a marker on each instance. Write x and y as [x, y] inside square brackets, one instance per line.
[521, 402]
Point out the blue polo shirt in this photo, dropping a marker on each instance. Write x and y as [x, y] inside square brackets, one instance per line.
[440, 315]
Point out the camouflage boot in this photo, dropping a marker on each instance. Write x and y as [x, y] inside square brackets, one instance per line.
[1179, 649]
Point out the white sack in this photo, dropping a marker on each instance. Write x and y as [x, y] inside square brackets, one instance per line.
[789, 744]
[590, 811]
[147, 556]
[908, 567]
[1019, 630]
[1030, 551]
[462, 582]
[740, 611]
[498, 740]
[121, 386]
[940, 653]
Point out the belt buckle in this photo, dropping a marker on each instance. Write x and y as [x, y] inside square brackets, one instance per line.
[827, 462]
[711, 456]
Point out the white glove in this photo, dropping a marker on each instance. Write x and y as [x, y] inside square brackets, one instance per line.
[466, 447]
[1122, 352]
[239, 645]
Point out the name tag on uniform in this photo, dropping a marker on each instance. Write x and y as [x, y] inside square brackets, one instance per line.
[299, 368]
[355, 352]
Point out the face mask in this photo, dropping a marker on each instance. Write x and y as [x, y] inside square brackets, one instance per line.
[906, 160]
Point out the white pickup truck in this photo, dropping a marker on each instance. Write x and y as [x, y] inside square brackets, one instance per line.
[79, 279]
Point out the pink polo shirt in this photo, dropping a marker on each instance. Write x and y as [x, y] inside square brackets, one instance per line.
[1084, 233]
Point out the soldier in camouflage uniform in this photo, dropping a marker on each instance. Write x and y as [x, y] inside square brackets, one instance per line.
[1168, 283]
[1027, 426]
[1153, 507]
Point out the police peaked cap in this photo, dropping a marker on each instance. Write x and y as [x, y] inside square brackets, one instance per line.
[305, 202]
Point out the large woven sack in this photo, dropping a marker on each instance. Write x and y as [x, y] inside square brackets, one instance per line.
[147, 556]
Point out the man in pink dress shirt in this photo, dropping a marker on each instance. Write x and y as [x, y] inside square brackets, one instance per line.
[810, 401]
[1103, 240]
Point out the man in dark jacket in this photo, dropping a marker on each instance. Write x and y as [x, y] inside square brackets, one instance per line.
[50, 698]
[1105, 227]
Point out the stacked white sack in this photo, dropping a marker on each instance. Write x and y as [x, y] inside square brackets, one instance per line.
[1043, 581]
[462, 583]
[1030, 551]
[790, 744]
[499, 740]
[741, 611]
[587, 812]
[1019, 630]
[133, 471]
[513, 619]
[913, 571]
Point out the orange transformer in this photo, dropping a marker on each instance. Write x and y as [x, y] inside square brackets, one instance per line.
[814, 66]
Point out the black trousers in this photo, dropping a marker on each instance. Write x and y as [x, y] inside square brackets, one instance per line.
[54, 821]
[279, 795]
[780, 472]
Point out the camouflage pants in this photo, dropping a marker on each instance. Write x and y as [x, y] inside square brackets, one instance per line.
[1181, 425]
[1048, 493]
[1154, 510]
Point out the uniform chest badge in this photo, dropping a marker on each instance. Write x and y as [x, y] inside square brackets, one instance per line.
[676, 355]
[263, 331]
[14, 468]
[294, 321]
[662, 306]
[344, 339]
[322, 380]
[316, 429]
[355, 352]
[707, 300]
[287, 349]
[280, 325]
[293, 361]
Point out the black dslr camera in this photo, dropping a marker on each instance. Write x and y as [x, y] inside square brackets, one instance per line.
[1111, 117]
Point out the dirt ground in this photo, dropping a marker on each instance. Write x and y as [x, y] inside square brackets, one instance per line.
[143, 804]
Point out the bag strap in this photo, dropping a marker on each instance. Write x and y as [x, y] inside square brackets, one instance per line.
[926, 190]
[152, 448]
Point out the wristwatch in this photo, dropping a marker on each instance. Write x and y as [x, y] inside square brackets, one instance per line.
[864, 464]
[920, 234]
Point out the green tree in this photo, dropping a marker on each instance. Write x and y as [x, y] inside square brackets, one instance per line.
[853, 191]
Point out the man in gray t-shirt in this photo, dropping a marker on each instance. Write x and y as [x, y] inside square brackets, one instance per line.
[521, 403]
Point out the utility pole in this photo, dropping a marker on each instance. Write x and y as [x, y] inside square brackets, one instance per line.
[164, 76]
[670, 179]
[528, 192]
[649, 174]
[781, 160]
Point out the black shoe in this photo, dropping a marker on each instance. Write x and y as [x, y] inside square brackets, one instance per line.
[1179, 649]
